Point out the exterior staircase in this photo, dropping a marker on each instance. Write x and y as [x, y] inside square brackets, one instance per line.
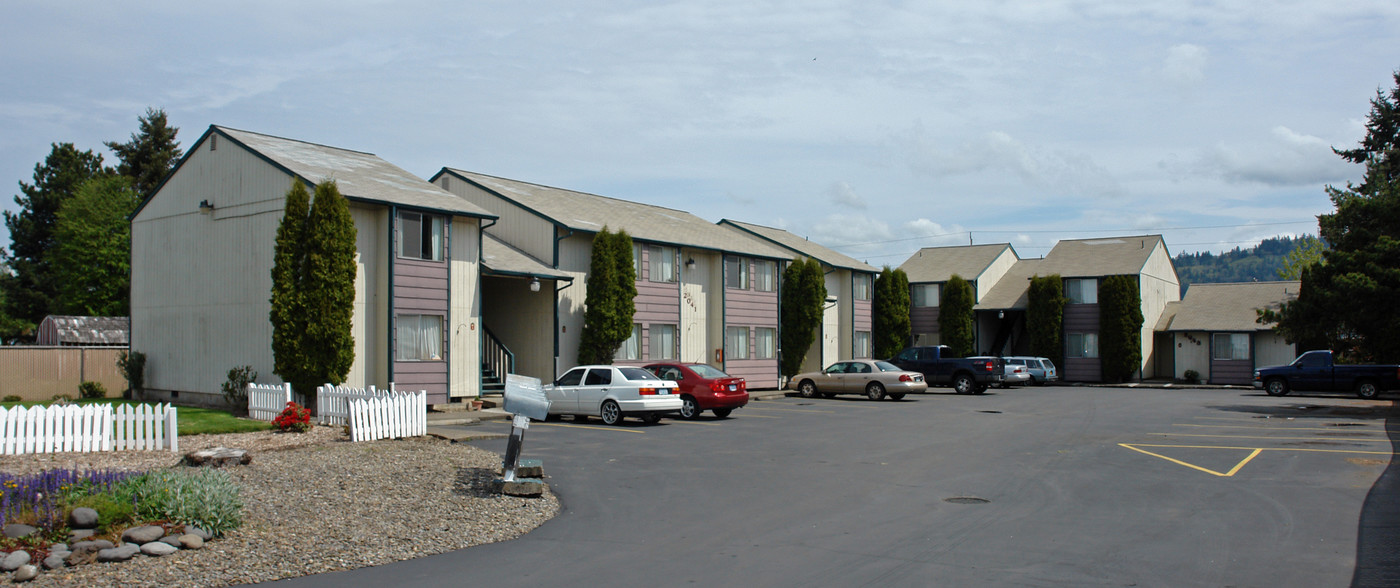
[496, 362]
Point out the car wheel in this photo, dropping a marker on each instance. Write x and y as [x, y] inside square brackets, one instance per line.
[897, 396]
[651, 418]
[1367, 389]
[611, 414]
[723, 412]
[690, 409]
[963, 384]
[807, 389]
[875, 391]
[1276, 387]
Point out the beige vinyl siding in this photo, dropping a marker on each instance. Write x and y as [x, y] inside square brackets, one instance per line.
[521, 228]
[697, 305]
[464, 328]
[574, 258]
[1157, 285]
[1271, 349]
[369, 325]
[201, 281]
[988, 279]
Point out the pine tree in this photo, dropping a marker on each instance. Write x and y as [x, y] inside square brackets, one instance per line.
[800, 311]
[1045, 317]
[955, 317]
[889, 310]
[1120, 328]
[150, 154]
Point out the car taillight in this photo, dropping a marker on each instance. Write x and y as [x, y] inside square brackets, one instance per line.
[905, 378]
[990, 365]
[646, 391]
[715, 386]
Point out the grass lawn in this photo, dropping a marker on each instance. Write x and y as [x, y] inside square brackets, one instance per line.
[192, 420]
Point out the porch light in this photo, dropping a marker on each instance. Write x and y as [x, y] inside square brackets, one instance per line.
[690, 263]
[534, 284]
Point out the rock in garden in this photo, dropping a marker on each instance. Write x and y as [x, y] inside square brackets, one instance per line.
[98, 543]
[78, 534]
[143, 535]
[56, 561]
[173, 540]
[16, 531]
[123, 553]
[83, 518]
[83, 553]
[191, 541]
[193, 530]
[218, 457]
[26, 573]
[158, 548]
[14, 560]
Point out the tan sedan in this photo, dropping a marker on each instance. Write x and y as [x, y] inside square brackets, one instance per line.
[874, 378]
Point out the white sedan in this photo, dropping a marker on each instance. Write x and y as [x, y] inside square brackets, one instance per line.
[611, 393]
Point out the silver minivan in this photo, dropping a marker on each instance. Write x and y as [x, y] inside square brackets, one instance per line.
[1041, 368]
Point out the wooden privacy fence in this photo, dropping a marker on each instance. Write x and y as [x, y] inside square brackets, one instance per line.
[396, 415]
[40, 373]
[89, 428]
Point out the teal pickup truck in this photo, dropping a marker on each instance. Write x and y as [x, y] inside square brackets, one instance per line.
[1314, 371]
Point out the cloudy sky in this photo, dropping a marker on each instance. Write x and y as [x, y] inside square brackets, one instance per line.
[873, 127]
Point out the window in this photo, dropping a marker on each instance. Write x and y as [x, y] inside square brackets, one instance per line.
[420, 236]
[860, 286]
[765, 276]
[598, 377]
[573, 378]
[663, 342]
[765, 343]
[1085, 345]
[1230, 346]
[632, 347]
[662, 264]
[924, 295]
[1082, 291]
[736, 273]
[860, 347]
[637, 260]
[419, 337]
[736, 343]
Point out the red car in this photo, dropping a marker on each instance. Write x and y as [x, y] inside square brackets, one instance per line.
[703, 388]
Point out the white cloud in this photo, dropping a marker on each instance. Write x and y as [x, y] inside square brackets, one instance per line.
[1063, 171]
[842, 194]
[1284, 158]
[1185, 65]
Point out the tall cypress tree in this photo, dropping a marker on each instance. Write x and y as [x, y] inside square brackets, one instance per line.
[1045, 317]
[955, 316]
[800, 311]
[288, 314]
[890, 308]
[609, 303]
[1120, 328]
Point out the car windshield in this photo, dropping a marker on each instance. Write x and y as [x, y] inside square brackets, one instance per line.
[886, 366]
[636, 374]
[706, 371]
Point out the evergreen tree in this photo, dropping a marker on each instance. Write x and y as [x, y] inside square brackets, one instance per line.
[1120, 328]
[955, 317]
[92, 257]
[800, 311]
[1045, 317]
[890, 312]
[1346, 302]
[31, 290]
[1308, 252]
[609, 304]
[150, 154]
[313, 289]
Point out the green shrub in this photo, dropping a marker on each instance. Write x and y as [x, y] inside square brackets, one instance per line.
[955, 316]
[112, 513]
[133, 368]
[1045, 315]
[1120, 328]
[92, 390]
[13, 398]
[236, 387]
[205, 498]
[1192, 376]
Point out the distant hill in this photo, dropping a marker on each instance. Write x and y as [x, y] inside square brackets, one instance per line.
[1260, 263]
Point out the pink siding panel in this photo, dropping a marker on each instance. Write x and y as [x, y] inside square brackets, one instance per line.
[750, 308]
[862, 311]
[657, 303]
[759, 374]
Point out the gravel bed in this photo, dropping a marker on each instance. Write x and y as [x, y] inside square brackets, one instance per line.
[317, 503]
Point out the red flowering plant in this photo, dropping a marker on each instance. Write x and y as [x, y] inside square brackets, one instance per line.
[294, 418]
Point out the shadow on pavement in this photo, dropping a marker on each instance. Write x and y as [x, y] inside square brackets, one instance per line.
[1378, 534]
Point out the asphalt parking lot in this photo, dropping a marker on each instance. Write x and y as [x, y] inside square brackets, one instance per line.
[1059, 486]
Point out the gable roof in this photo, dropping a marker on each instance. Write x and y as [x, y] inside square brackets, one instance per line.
[1226, 307]
[1011, 291]
[501, 259]
[361, 177]
[801, 246]
[1072, 258]
[84, 330]
[938, 264]
[589, 213]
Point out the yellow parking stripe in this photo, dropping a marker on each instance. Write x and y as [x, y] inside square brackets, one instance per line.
[1264, 448]
[1232, 471]
[569, 426]
[1275, 438]
[1347, 429]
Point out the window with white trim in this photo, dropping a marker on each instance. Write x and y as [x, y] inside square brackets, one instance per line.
[1082, 345]
[924, 295]
[765, 275]
[736, 343]
[631, 348]
[419, 337]
[662, 262]
[860, 346]
[663, 342]
[420, 236]
[1082, 291]
[1229, 346]
[860, 286]
[736, 273]
[765, 343]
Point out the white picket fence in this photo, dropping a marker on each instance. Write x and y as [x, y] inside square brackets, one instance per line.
[394, 415]
[333, 402]
[72, 428]
[266, 401]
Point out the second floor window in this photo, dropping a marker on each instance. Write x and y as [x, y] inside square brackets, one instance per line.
[923, 295]
[420, 236]
[1080, 291]
[736, 273]
[765, 276]
[860, 286]
[662, 263]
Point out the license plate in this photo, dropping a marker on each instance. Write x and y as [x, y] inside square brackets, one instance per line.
[733, 387]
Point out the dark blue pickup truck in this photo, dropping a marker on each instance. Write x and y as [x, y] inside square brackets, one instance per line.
[941, 367]
[1314, 372]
